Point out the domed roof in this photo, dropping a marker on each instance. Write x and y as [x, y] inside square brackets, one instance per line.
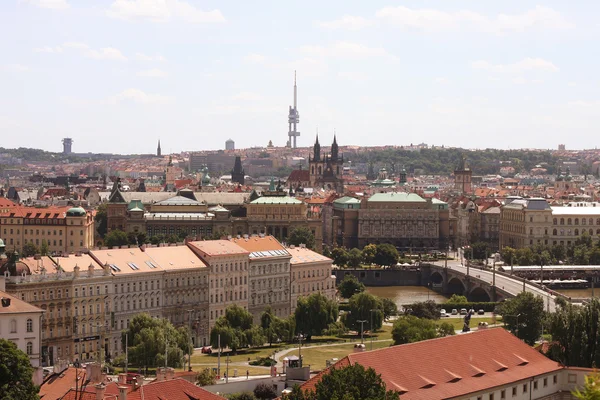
[75, 212]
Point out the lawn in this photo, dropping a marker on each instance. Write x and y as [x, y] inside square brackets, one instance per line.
[316, 357]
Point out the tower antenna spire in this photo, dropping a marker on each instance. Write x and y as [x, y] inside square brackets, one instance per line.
[293, 118]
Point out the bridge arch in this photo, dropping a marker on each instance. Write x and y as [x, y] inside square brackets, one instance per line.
[456, 286]
[479, 294]
[436, 278]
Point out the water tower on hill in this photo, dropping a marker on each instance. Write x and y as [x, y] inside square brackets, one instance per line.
[67, 143]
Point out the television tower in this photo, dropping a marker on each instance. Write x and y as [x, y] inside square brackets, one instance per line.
[293, 119]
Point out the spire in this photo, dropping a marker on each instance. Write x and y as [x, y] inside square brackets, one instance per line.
[334, 148]
[158, 150]
[317, 149]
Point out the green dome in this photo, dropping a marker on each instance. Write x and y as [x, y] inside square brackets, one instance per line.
[75, 212]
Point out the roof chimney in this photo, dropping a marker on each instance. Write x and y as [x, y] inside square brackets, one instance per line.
[100, 389]
[122, 392]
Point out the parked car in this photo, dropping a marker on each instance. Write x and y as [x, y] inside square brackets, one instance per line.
[443, 313]
[206, 350]
[454, 311]
[463, 311]
[480, 312]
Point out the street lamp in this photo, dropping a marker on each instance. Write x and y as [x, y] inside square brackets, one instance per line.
[371, 311]
[517, 325]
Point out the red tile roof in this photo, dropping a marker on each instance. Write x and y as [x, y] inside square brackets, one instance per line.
[453, 366]
[299, 175]
[174, 389]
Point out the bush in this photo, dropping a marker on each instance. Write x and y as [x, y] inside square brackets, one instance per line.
[263, 362]
[263, 391]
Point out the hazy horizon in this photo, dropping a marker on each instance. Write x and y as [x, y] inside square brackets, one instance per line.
[117, 75]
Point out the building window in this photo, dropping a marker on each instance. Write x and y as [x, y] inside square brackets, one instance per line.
[503, 394]
[545, 382]
[514, 391]
[29, 325]
[13, 326]
[491, 396]
[525, 388]
[555, 379]
[29, 348]
[535, 385]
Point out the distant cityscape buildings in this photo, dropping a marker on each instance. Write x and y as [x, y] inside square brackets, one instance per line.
[229, 144]
[67, 145]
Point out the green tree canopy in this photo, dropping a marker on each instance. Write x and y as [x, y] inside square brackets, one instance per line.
[29, 249]
[360, 306]
[576, 334]
[390, 308]
[355, 258]
[591, 388]
[314, 314]
[350, 286]
[339, 256]
[236, 330]
[368, 253]
[386, 254]
[206, 377]
[425, 309]
[302, 235]
[148, 338]
[530, 312]
[101, 219]
[410, 329]
[16, 374]
[457, 299]
[353, 382]
[116, 238]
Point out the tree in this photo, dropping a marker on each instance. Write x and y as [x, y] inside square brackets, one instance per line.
[148, 338]
[339, 256]
[29, 249]
[116, 238]
[206, 377]
[354, 258]
[591, 388]
[302, 235]
[410, 329]
[360, 306]
[576, 334]
[352, 382]
[368, 253]
[314, 314]
[44, 248]
[425, 309]
[390, 308]
[508, 255]
[457, 299]
[236, 330]
[16, 373]
[386, 254]
[446, 329]
[267, 323]
[262, 391]
[101, 219]
[350, 286]
[480, 250]
[530, 312]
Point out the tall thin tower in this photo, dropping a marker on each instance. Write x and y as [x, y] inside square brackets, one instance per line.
[293, 119]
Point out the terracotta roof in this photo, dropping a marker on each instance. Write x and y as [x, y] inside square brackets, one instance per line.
[174, 257]
[174, 389]
[302, 255]
[217, 248]
[453, 366]
[299, 175]
[255, 243]
[16, 306]
[57, 385]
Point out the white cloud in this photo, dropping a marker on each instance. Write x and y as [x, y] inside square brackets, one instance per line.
[139, 96]
[349, 22]
[352, 76]
[162, 11]
[48, 49]
[53, 4]
[145, 57]
[427, 19]
[344, 49]
[105, 53]
[152, 73]
[525, 65]
[15, 68]
[247, 96]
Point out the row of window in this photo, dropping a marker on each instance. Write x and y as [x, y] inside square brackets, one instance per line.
[37, 232]
[229, 296]
[584, 221]
[233, 281]
[13, 326]
[524, 388]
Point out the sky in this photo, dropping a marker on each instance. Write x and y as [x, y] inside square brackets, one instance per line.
[118, 75]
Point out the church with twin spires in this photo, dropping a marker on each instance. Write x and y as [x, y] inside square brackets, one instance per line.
[326, 170]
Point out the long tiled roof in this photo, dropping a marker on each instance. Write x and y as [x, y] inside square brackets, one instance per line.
[453, 366]
[397, 197]
[276, 200]
[16, 306]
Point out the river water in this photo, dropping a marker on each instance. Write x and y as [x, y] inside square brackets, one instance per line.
[406, 294]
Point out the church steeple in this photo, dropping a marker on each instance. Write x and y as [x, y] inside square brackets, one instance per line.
[334, 149]
[158, 150]
[317, 149]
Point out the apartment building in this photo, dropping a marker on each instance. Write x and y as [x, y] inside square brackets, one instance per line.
[228, 275]
[268, 275]
[20, 323]
[311, 273]
[63, 229]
